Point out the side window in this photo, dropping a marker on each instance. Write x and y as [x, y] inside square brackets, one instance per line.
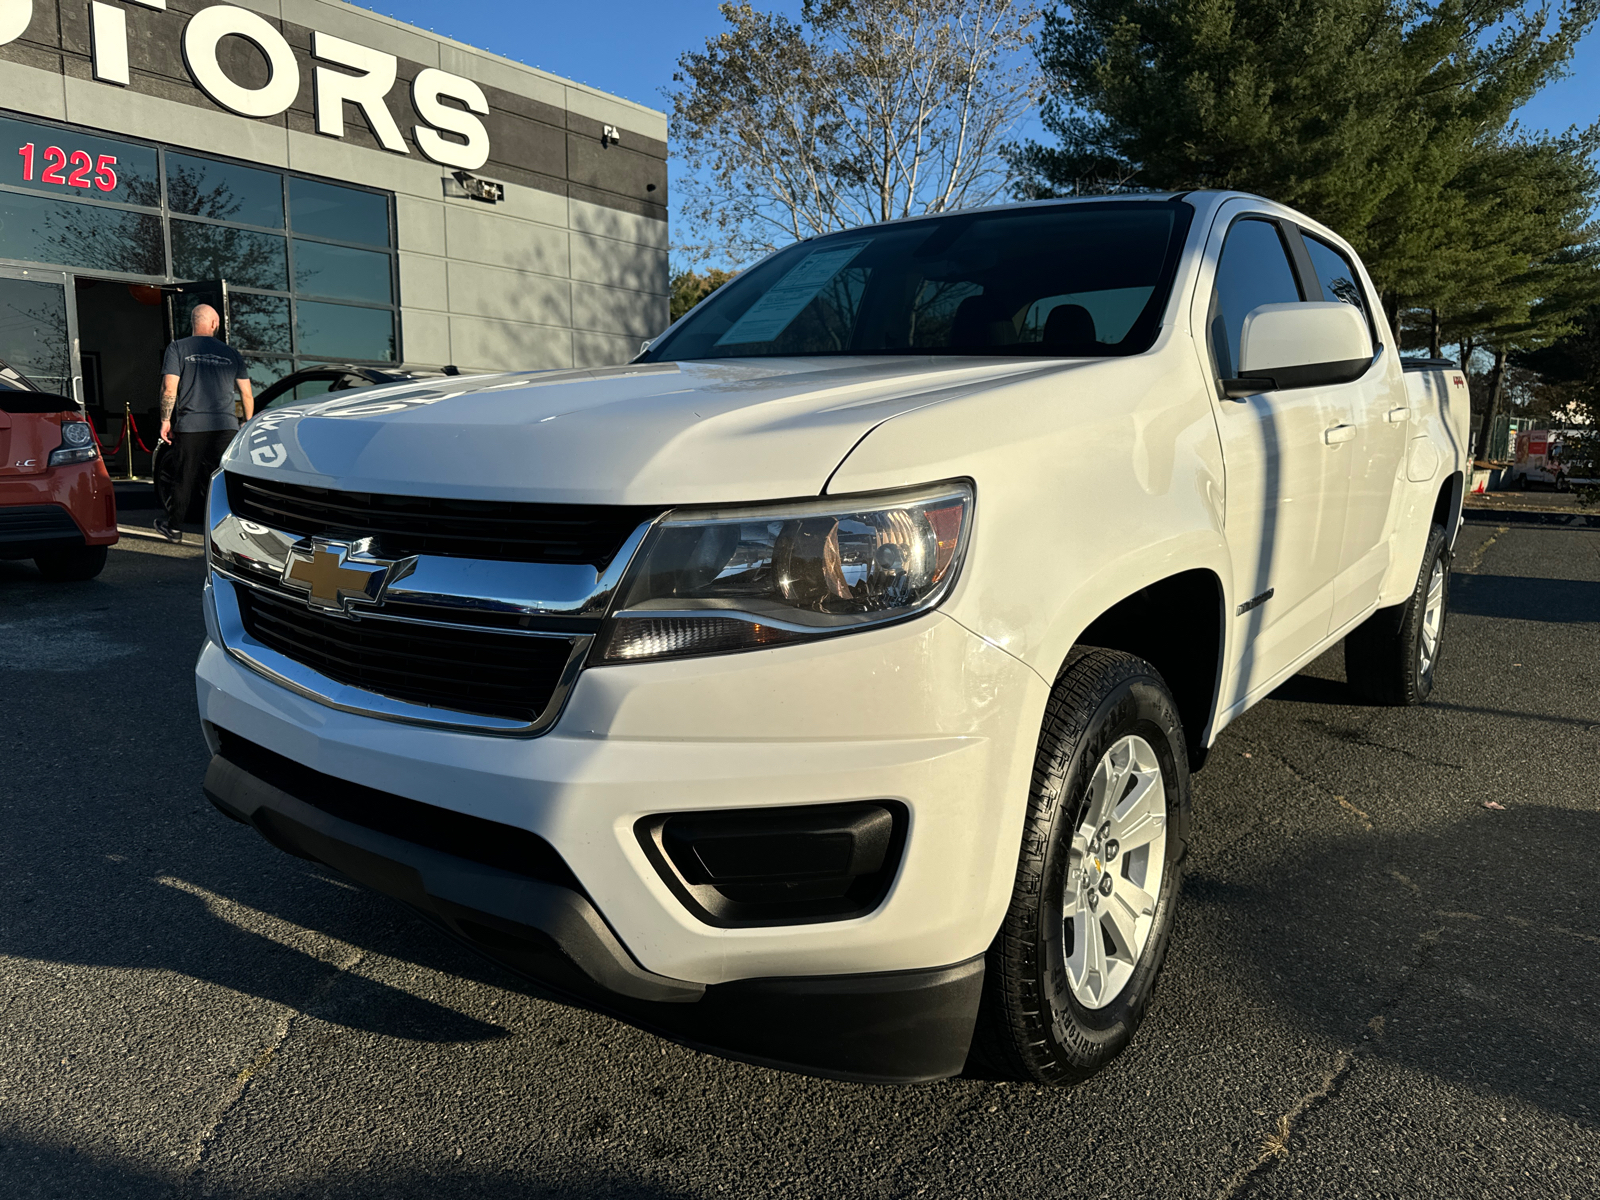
[1339, 279]
[1254, 270]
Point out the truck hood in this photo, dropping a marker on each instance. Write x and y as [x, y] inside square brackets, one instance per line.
[657, 433]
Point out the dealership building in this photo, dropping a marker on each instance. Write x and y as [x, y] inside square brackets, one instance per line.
[346, 187]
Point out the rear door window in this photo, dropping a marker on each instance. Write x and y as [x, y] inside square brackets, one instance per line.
[1338, 277]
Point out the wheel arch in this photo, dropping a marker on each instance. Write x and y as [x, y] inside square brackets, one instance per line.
[1177, 624]
[1447, 505]
[1421, 506]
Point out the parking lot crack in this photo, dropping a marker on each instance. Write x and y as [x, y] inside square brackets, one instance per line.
[1301, 775]
[341, 957]
[1481, 549]
[1353, 736]
[1276, 1145]
[202, 1144]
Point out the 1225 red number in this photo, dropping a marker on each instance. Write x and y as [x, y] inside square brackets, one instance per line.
[56, 160]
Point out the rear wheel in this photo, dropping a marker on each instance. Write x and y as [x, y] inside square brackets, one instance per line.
[1073, 968]
[1392, 656]
[66, 566]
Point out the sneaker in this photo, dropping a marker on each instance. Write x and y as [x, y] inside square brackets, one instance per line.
[165, 529]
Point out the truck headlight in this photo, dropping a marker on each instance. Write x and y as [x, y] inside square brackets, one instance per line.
[706, 582]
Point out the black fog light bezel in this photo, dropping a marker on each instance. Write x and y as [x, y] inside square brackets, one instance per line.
[808, 898]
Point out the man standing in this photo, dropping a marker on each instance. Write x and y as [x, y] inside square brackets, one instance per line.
[198, 376]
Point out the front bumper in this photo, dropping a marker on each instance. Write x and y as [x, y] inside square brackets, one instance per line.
[897, 1027]
[923, 713]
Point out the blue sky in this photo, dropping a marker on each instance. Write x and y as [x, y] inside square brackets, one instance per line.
[629, 47]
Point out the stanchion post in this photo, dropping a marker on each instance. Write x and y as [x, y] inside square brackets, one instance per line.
[127, 432]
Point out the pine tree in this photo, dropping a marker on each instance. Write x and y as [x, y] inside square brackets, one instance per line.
[1362, 113]
[1525, 266]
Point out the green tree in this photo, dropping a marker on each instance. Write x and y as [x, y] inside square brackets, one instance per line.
[691, 287]
[862, 111]
[1361, 113]
[1524, 267]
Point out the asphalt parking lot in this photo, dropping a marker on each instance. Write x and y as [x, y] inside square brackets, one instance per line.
[1377, 987]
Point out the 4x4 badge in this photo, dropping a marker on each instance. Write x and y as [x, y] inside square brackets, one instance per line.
[332, 574]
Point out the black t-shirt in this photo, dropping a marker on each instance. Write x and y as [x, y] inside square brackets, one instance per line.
[207, 369]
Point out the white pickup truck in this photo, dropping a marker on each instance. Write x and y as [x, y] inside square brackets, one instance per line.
[823, 687]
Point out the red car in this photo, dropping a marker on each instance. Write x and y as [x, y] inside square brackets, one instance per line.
[57, 506]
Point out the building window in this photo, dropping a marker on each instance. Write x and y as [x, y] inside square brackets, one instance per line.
[309, 264]
[87, 236]
[325, 291]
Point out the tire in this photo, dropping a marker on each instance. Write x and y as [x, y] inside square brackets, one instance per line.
[1042, 1018]
[1520, 483]
[71, 566]
[1391, 658]
[1562, 485]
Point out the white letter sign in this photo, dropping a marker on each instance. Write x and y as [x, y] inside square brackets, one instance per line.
[108, 43]
[15, 17]
[429, 85]
[200, 38]
[367, 89]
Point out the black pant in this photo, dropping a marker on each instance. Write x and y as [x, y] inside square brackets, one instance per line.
[199, 454]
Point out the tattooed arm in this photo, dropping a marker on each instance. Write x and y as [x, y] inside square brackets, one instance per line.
[169, 399]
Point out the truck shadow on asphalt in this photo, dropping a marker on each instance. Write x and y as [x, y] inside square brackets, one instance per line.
[1315, 689]
[262, 926]
[1471, 955]
[1525, 598]
[65, 1170]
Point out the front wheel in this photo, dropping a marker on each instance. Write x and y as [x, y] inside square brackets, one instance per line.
[164, 475]
[1392, 656]
[1071, 973]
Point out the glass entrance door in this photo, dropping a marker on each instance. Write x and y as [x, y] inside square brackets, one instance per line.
[182, 298]
[39, 329]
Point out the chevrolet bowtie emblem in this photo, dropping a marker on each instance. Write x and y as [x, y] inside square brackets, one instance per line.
[332, 574]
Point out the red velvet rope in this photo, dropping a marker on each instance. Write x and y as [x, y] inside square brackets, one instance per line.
[127, 423]
[134, 425]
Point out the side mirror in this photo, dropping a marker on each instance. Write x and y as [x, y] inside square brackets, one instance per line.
[1310, 344]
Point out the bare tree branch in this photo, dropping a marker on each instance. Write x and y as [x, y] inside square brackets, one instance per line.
[861, 111]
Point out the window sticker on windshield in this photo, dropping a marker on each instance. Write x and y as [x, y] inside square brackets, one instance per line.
[784, 301]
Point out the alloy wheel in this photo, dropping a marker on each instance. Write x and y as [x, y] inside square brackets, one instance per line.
[1433, 617]
[1118, 856]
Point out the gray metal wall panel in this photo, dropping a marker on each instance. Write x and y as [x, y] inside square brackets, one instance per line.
[485, 286]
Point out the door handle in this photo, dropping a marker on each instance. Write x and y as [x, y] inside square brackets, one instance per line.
[1395, 415]
[1338, 434]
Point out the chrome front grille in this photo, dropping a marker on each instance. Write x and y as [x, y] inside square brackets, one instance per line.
[591, 534]
[463, 668]
[487, 644]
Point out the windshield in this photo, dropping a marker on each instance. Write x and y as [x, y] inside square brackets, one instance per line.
[1062, 280]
